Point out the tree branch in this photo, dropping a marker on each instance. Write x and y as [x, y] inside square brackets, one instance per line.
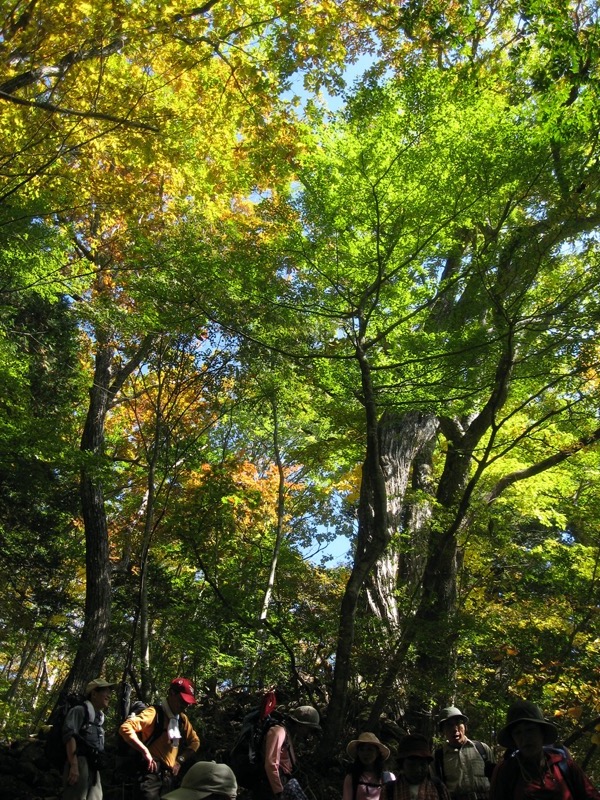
[52, 109]
[542, 466]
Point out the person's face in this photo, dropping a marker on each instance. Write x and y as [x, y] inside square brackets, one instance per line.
[529, 740]
[415, 769]
[176, 702]
[100, 698]
[367, 754]
[455, 731]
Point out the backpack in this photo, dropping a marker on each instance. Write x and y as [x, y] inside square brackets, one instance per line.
[128, 762]
[246, 756]
[54, 747]
[159, 723]
[488, 766]
[563, 765]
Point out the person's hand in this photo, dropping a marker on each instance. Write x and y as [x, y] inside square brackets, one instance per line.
[176, 767]
[151, 764]
[73, 773]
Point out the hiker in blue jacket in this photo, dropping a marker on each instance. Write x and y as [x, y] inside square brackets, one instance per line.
[534, 767]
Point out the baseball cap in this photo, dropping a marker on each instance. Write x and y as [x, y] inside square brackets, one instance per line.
[185, 688]
[98, 683]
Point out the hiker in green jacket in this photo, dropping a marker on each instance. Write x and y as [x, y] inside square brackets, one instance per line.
[464, 765]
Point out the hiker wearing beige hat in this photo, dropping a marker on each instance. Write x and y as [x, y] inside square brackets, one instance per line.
[83, 736]
[366, 776]
[415, 781]
[536, 768]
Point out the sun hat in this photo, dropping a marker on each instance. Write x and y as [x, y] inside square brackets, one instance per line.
[450, 713]
[204, 778]
[306, 715]
[367, 738]
[413, 745]
[525, 711]
[185, 688]
[98, 683]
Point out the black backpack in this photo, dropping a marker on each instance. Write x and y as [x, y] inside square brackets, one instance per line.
[54, 747]
[246, 757]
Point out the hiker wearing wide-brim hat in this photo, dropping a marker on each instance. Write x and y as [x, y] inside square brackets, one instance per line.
[414, 757]
[525, 711]
[536, 768]
[306, 717]
[367, 738]
[451, 713]
[366, 776]
[279, 758]
[464, 765]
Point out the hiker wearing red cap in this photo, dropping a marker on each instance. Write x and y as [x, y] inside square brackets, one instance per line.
[162, 753]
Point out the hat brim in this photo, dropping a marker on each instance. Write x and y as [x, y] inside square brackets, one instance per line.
[312, 725]
[549, 730]
[461, 717]
[415, 754]
[188, 698]
[90, 689]
[353, 747]
[186, 794]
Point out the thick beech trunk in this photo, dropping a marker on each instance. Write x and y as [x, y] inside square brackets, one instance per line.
[407, 443]
[386, 473]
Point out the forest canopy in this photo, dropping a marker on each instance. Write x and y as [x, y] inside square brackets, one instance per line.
[240, 320]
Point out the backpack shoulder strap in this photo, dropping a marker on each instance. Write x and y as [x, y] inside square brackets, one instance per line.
[438, 760]
[88, 718]
[159, 724]
[439, 787]
[488, 766]
[564, 766]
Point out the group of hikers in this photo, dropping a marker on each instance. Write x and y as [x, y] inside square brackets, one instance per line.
[165, 743]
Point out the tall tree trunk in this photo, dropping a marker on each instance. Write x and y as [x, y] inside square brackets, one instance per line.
[407, 444]
[371, 541]
[89, 659]
[280, 515]
[392, 445]
[144, 616]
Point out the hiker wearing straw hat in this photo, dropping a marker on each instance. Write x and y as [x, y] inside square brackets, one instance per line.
[366, 776]
[536, 768]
